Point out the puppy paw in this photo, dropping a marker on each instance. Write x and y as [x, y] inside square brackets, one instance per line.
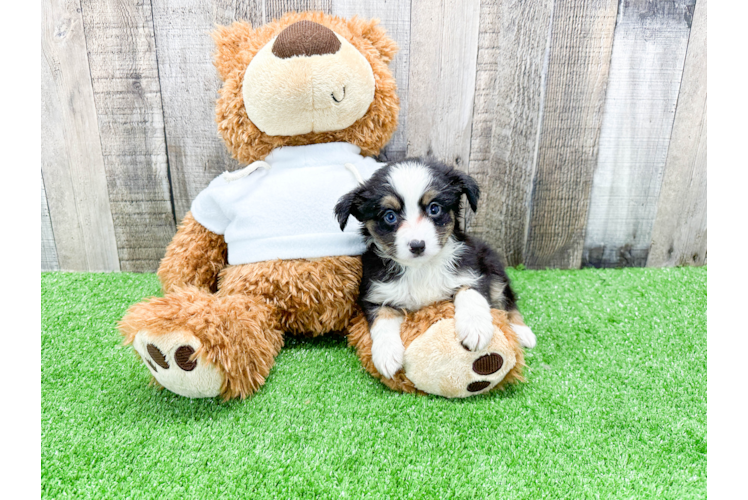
[474, 332]
[525, 335]
[387, 356]
[386, 346]
[473, 321]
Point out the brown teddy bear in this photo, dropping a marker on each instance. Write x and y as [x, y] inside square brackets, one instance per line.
[306, 101]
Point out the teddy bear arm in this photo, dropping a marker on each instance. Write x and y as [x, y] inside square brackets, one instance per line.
[194, 257]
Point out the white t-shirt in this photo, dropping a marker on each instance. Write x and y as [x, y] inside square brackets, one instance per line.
[286, 211]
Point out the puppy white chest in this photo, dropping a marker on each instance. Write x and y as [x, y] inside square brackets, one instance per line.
[418, 287]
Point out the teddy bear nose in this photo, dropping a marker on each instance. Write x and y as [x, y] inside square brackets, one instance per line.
[305, 38]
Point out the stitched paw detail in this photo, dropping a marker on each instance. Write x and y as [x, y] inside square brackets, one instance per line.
[487, 364]
[478, 386]
[170, 359]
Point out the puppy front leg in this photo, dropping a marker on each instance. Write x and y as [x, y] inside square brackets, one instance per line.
[386, 346]
[473, 321]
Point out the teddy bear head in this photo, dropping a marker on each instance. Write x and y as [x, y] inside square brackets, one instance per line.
[305, 78]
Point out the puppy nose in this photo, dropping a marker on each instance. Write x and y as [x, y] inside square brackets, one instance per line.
[305, 38]
[417, 247]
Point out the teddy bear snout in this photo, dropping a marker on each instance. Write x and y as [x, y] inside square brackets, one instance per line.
[305, 38]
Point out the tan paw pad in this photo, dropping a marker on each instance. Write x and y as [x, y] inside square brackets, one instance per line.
[437, 363]
[170, 360]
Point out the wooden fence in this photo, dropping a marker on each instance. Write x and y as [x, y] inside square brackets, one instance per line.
[584, 121]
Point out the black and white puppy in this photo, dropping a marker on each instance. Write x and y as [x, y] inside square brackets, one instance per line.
[417, 254]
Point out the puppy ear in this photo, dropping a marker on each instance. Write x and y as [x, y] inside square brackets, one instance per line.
[347, 206]
[467, 186]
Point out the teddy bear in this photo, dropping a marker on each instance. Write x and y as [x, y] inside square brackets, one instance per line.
[306, 101]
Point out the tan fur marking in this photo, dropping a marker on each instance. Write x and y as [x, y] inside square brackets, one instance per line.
[496, 292]
[428, 196]
[386, 313]
[370, 225]
[390, 201]
[446, 231]
[515, 317]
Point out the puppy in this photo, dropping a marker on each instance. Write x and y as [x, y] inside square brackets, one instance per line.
[418, 254]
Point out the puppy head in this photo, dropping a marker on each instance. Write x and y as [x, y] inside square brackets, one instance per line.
[410, 208]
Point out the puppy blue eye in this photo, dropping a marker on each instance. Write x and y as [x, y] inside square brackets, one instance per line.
[390, 217]
[435, 209]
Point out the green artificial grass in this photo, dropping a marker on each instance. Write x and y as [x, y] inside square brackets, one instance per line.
[614, 406]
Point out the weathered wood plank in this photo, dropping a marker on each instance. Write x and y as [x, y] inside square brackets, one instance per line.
[72, 161]
[245, 10]
[679, 234]
[395, 18]
[274, 9]
[579, 58]
[61, 201]
[441, 84]
[124, 73]
[512, 47]
[189, 88]
[49, 250]
[649, 50]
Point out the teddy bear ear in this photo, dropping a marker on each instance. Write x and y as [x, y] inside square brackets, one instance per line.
[229, 41]
[377, 36]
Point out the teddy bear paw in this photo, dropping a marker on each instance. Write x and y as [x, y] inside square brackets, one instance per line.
[170, 359]
[437, 363]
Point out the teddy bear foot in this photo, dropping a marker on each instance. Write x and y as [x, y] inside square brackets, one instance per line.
[201, 345]
[437, 363]
[173, 362]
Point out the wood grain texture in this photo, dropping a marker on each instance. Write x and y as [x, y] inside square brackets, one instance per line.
[243, 10]
[587, 135]
[649, 50]
[189, 88]
[679, 234]
[441, 84]
[395, 18]
[72, 162]
[49, 250]
[124, 74]
[61, 200]
[579, 58]
[274, 9]
[512, 46]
